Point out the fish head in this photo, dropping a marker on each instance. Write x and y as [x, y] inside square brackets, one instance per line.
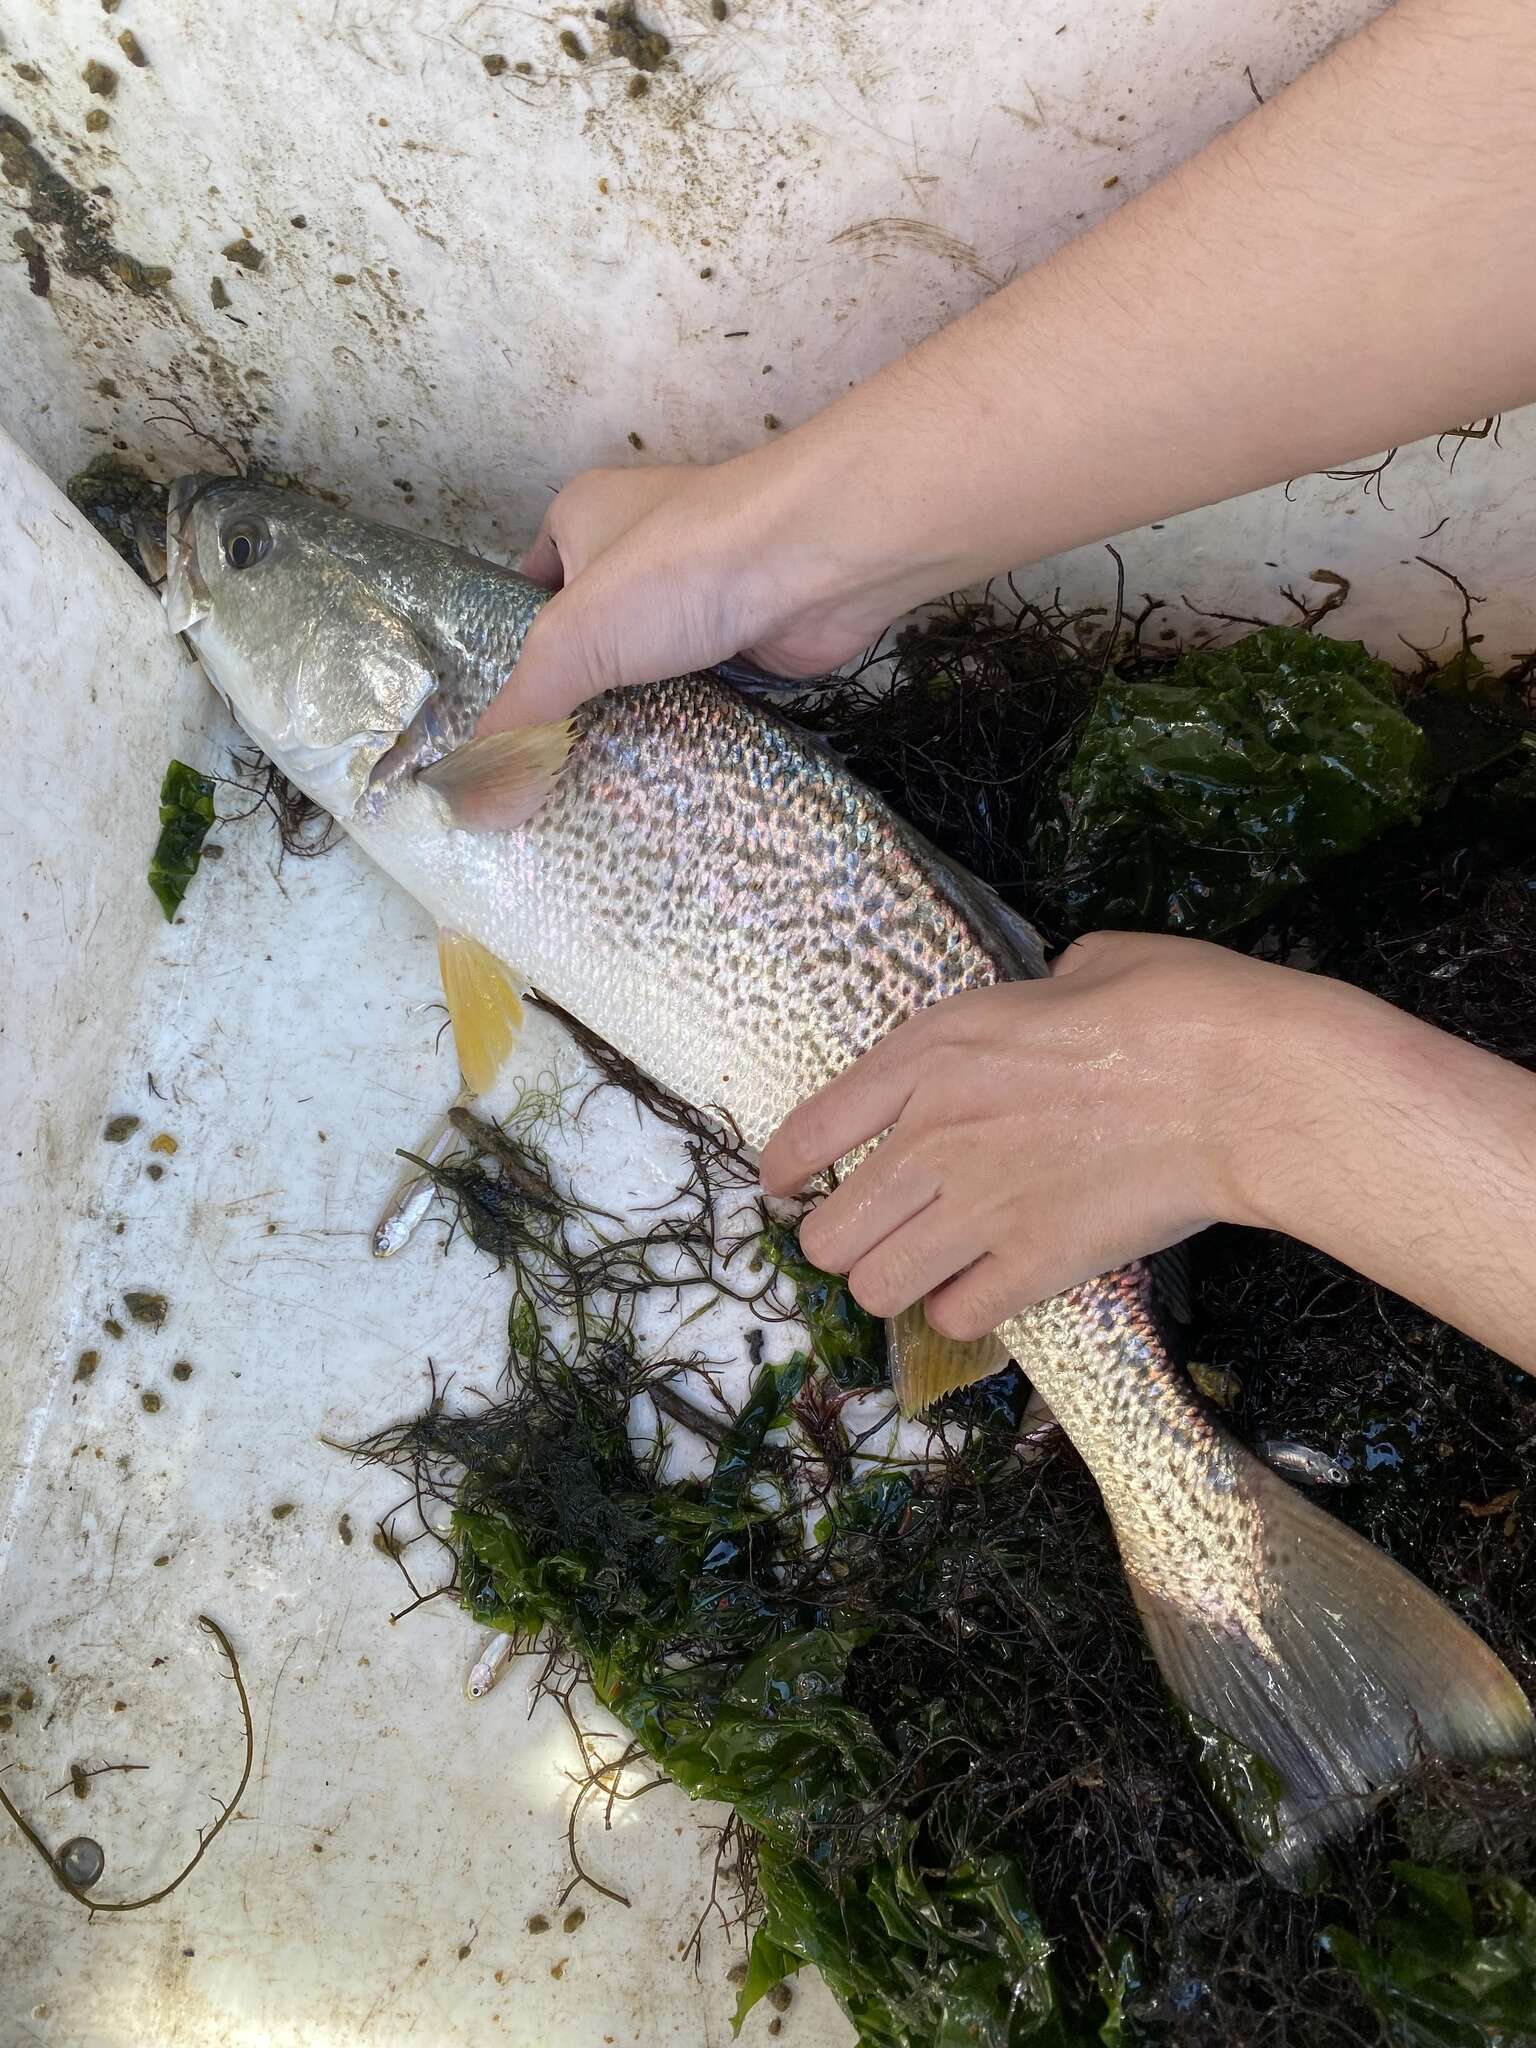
[318, 665]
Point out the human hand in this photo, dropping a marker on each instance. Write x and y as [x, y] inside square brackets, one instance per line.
[1043, 1132]
[664, 570]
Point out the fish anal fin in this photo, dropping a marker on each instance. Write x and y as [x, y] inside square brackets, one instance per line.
[1347, 1674]
[483, 1003]
[925, 1365]
[497, 784]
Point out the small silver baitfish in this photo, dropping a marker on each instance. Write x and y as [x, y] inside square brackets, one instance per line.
[1302, 1461]
[488, 1666]
[710, 891]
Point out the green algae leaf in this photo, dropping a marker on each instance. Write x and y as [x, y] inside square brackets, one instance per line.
[1451, 1963]
[845, 1339]
[186, 815]
[1197, 799]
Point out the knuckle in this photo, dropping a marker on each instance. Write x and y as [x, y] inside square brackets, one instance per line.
[961, 1321]
[875, 1291]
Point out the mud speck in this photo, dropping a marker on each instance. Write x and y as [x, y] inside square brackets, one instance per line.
[298, 220]
[107, 388]
[181, 1370]
[39, 277]
[639, 86]
[244, 252]
[100, 78]
[771, 421]
[464, 1949]
[113, 1327]
[344, 1529]
[386, 1543]
[775, 2028]
[79, 1782]
[635, 441]
[86, 1364]
[154, 1170]
[494, 62]
[574, 1919]
[133, 49]
[150, 1401]
[343, 277]
[96, 119]
[282, 1511]
[557, 1970]
[629, 38]
[538, 1923]
[523, 69]
[29, 72]
[780, 1997]
[164, 1142]
[718, 9]
[119, 1129]
[163, 1559]
[572, 45]
[218, 292]
[146, 1307]
[110, 6]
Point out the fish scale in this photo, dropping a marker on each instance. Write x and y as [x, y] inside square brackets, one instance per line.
[710, 890]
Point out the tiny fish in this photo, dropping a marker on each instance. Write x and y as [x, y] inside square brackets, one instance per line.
[1302, 1461]
[709, 889]
[488, 1667]
[408, 1206]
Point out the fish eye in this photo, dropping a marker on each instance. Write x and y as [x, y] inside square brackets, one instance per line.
[246, 543]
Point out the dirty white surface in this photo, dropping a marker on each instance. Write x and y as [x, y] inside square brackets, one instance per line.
[471, 285]
[395, 1838]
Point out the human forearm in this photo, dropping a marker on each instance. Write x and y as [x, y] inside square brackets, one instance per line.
[1407, 1154]
[1351, 265]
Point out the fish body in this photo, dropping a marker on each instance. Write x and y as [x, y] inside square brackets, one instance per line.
[709, 889]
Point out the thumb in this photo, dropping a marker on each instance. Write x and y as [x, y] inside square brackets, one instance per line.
[555, 672]
[542, 563]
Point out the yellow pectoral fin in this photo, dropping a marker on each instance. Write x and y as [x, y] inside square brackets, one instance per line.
[483, 1003]
[498, 783]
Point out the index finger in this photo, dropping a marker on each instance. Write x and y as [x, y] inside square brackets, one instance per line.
[865, 1099]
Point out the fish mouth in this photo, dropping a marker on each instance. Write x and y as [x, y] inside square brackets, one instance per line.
[168, 547]
[149, 531]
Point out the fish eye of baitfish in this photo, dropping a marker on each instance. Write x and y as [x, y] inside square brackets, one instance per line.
[246, 543]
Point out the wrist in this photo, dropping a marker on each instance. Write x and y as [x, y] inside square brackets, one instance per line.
[818, 541]
[1324, 1057]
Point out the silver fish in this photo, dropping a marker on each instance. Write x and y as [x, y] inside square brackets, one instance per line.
[408, 1207]
[488, 1666]
[709, 890]
[1302, 1461]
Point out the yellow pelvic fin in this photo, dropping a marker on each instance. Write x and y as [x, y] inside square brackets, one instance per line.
[484, 1004]
[925, 1365]
[498, 783]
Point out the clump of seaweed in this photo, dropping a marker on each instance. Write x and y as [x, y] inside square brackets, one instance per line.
[114, 494]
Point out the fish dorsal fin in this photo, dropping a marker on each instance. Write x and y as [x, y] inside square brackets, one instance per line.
[497, 784]
[483, 1003]
[925, 1365]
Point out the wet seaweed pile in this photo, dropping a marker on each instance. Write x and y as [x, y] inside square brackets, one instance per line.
[961, 1792]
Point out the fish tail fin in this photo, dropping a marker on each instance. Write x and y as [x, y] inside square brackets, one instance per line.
[1351, 1673]
[925, 1365]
